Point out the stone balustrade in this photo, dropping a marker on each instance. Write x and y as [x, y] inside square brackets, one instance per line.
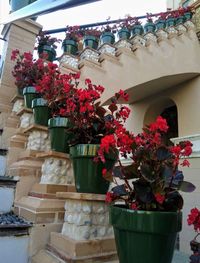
[131, 44]
[86, 220]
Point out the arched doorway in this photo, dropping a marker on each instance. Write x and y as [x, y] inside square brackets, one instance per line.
[168, 110]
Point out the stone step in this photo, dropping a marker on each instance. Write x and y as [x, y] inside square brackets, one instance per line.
[45, 257]
[82, 248]
[109, 257]
[40, 210]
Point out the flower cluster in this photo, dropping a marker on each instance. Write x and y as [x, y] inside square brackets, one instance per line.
[26, 71]
[153, 169]
[194, 219]
[43, 39]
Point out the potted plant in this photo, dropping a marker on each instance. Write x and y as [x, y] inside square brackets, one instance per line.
[124, 27]
[147, 212]
[170, 19]
[137, 28]
[91, 38]
[54, 87]
[188, 13]
[46, 46]
[26, 72]
[107, 34]
[89, 123]
[69, 44]
[161, 22]
[179, 14]
[149, 26]
[194, 219]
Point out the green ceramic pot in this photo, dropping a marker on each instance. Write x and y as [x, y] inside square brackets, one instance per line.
[188, 16]
[180, 20]
[170, 21]
[107, 37]
[70, 46]
[90, 41]
[137, 30]
[47, 51]
[124, 33]
[29, 93]
[160, 24]
[145, 236]
[149, 27]
[87, 173]
[41, 111]
[59, 137]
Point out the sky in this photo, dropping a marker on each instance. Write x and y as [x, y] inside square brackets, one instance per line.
[95, 12]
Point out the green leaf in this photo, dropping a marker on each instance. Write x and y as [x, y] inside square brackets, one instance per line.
[119, 190]
[147, 173]
[112, 107]
[163, 153]
[100, 111]
[186, 187]
[130, 172]
[108, 176]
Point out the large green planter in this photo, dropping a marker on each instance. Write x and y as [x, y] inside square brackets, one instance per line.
[149, 27]
[90, 41]
[41, 111]
[108, 38]
[137, 30]
[59, 137]
[29, 93]
[124, 33]
[87, 173]
[145, 236]
[70, 46]
[47, 52]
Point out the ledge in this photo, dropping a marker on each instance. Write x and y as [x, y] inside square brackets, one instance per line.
[17, 97]
[37, 127]
[80, 196]
[24, 110]
[54, 154]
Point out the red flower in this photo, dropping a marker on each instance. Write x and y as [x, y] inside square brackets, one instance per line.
[108, 142]
[110, 197]
[104, 171]
[185, 163]
[134, 206]
[159, 198]
[14, 54]
[159, 124]
[194, 218]
[123, 95]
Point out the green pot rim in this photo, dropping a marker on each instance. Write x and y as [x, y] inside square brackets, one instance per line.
[145, 221]
[88, 37]
[29, 90]
[69, 42]
[43, 48]
[58, 122]
[39, 102]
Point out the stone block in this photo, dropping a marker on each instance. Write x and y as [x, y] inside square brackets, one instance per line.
[82, 248]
